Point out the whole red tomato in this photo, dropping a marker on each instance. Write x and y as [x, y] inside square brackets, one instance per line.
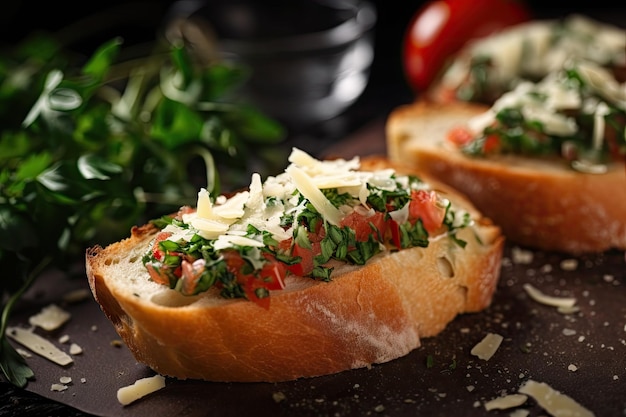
[441, 27]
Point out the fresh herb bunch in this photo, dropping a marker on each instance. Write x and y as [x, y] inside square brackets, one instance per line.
[90, 148]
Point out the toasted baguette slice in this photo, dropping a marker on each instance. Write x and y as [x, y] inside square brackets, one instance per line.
[538, 203]
[365, 315]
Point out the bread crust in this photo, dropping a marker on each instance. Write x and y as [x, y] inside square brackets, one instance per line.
[365, 315]
[539, 204]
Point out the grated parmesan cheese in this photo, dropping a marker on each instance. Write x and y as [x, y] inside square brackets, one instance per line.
[553, 401]
[39, 345]
[75, 349]
[487, 347]
[58, 387]
[507, 401]
[50, 318]
[535, 294]
[140, 389]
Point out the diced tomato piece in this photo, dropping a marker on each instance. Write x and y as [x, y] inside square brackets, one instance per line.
[424, 206]
[157, 276]
[307, 256]
[250, 287]
[394, 229]
[190, 274]
[273, 275]
[362, 225]
[460, 136]
[492, 144]
[157, 253]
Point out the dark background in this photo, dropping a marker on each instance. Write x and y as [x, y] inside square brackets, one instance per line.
[140, 21]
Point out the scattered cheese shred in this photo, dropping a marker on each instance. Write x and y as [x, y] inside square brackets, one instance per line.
[140, 389]
[58, 387]
[305, 185]
[562, 302]
[507, 401]
[39, 345]
[553, 401]
[50, 318]
[487, 347]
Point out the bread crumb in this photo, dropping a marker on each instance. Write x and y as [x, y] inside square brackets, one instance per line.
[64, 339]
[65, 380]
[572, 368]
[58, 387]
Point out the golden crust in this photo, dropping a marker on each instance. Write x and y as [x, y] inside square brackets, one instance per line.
[539, 204]
[365, 315]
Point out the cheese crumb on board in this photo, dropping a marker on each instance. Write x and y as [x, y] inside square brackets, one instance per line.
[507, 401]
[58, 387]
[50, 318]
[140, 389]
[75, 349]
[540, 297]
[520, 412]
[569, 264]
[521, 256]
[39, 345]
[487, 347]
[554, 402]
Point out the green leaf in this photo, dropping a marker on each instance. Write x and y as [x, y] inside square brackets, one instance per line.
[175, 124]
[100, 62]
[94, 167]
[33, 165]
[258, 127]
[182, 62]
[13, 365]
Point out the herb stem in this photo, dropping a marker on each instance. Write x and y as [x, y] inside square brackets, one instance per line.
[34, 273]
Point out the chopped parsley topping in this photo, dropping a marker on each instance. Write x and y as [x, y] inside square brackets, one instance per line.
[571, 115]
[282, 233]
